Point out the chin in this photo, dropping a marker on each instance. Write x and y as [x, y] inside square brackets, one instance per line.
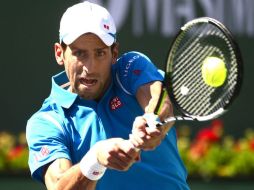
[88, 95]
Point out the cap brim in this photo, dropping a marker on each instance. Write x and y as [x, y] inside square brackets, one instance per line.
[107, 39]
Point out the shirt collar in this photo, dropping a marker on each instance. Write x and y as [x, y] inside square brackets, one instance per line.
[59, 94]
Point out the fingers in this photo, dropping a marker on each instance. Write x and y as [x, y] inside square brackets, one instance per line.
[124, 157]
[148, 138]
[146, 143]
[118, 154]
[119, 160]
[139, 126]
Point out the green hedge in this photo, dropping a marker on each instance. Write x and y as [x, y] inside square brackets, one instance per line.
[210, 154]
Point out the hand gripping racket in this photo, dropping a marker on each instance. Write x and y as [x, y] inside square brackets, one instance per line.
[191, 95]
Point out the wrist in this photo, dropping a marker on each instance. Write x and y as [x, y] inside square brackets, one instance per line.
[90, 166]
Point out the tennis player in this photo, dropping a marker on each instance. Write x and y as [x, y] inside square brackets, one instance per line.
[91, 133]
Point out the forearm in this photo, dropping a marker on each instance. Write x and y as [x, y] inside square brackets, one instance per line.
[148, 96]
[114, 153]
[61, 175]
[74, 179]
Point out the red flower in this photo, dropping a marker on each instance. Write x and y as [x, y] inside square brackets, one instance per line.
[252, 144]
[198, 149]
[15, 152]
[211, 133]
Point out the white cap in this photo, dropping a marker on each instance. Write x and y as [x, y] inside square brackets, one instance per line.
[84, 18]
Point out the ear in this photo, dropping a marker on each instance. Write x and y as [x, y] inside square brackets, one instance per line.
[115, 52]
[59, 53]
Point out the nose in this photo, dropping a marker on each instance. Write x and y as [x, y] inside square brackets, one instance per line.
[89, 66]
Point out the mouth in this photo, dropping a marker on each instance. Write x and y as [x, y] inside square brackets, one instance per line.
[88, 82]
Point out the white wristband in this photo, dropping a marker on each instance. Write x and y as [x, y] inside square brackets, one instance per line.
[90, 167]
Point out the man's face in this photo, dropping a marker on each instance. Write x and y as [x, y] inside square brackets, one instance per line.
[88, 63]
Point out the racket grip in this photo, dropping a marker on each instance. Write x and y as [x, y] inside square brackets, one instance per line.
[152, 120]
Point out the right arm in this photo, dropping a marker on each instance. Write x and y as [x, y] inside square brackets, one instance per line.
[61, 174]
[114, 153]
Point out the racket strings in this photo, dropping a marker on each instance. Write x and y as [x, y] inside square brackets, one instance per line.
[191, 49]
[192, 40]
[196, 97]
[195, 49]
[184, 77]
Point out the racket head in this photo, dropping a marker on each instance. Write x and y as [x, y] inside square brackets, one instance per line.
[197, 40]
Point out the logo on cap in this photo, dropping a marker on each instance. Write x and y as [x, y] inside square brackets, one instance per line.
[105, 24]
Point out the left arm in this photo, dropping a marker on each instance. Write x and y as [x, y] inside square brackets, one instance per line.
[145, 137]
[148, 95]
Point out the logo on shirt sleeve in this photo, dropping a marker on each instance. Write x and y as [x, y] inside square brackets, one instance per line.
[128, 65]
[115, 103]
[42, 153]
[136, 72]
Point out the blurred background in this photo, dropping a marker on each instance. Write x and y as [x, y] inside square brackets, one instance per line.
[218, 154]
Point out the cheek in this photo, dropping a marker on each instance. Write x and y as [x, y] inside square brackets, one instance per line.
[106, 71]
[71, 70]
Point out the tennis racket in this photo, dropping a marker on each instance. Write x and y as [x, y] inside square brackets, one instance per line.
[193, 98]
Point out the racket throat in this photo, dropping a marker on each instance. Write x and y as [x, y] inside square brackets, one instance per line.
[177, 118]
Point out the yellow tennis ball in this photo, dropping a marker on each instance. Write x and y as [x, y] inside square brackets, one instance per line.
[214, 71]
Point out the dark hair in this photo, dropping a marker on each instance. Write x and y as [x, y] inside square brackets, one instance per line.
[113, 46]
[64, 46]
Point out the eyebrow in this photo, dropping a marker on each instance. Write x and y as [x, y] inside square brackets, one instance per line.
[102, 48]
[96, 49]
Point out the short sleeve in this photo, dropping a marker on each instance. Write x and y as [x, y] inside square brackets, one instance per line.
[135, 69]
[46, 140]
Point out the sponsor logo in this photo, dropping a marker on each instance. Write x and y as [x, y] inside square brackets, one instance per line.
[96, 173]
[128, 65]
[106, 26]
[136, 72]
[115, 103]
[42, 153]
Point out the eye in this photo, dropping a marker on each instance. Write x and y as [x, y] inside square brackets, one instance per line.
[79, 54]
[100, 53]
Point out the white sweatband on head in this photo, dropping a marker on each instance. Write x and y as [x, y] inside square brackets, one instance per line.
[90, 167]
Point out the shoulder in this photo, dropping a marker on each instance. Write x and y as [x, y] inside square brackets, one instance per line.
[132, 62]
[47, 120]
[134, 69]
[133, 56]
